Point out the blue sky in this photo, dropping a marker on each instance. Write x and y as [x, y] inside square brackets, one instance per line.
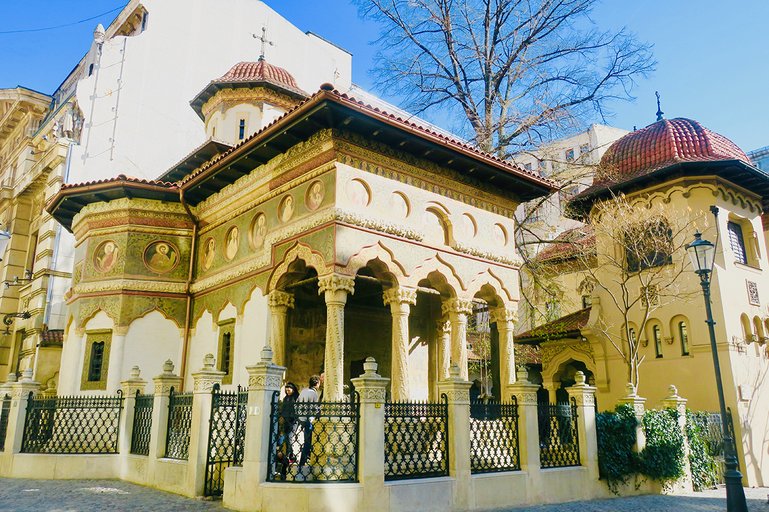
[713, 56]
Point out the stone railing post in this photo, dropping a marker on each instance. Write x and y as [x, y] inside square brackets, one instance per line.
[205, 380]
[584, 395]
[457, 391]
[674, 401]
[129, 387]
[163, 384]
[372, 389]
[525, 394]
[19, 392]
[639, 408]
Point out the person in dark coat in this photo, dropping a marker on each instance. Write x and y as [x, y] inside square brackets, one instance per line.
[287, 423]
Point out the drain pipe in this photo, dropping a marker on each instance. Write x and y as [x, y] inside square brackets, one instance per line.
[188, 313]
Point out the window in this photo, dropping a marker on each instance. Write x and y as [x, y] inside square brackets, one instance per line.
[527, 166]
[226, 349]
[657, 335]
[648, 245]
[569, 155]
[90, 70]
[242, 129]
[737, 242]
[145, 18]
[684, 335]
[96, 363]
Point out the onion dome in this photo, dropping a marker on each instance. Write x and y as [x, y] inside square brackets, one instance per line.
[248, 75]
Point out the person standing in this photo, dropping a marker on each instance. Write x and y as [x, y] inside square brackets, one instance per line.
[306, 408]
[287, 425]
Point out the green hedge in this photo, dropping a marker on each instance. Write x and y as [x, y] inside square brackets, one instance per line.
[704, 467]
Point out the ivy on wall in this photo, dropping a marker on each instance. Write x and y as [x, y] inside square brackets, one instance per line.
[617, 461]
[704, 467]
[663, 457]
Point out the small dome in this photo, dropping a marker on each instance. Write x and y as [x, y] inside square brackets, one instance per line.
[662, 144]
[259, 71]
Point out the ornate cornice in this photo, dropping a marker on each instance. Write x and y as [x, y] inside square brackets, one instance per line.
[137, 206]
[400, 295]
[227, 98]
[129, 284]
[488, 255]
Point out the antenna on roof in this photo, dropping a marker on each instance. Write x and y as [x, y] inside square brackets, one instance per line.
[264, 40]
[659, 108]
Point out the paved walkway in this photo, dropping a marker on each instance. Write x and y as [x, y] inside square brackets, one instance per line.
[116, 496]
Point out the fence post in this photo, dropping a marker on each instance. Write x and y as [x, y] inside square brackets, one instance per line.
[205, 379]
[457, 391]
[584, 396]
[372, 389]
[528, 428]
[674, 401]
[19, 400]
[639, 407]
[159, 429]
[129, 387]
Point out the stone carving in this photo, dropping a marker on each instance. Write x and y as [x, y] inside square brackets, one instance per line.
[315, 195]
[267, 381]
[371, 394]
[335, 283]
[550, 349]
[753, 293]
[457, 306]
[458, 396]
[128, 284]
[400, 295]
[525, 397]
[504, 315]
[161, 257]
[279, 298]
[583, 398]
[487, 255]
[232, 243]
[105, 256]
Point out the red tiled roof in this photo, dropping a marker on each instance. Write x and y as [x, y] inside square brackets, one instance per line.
[258, 71]
[660, 145]
[118, 179]
[52, 336]
[556, 329]
[570, 243]
[328, 92]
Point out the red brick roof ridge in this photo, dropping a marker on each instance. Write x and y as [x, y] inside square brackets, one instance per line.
[325, 91]
[119, 178]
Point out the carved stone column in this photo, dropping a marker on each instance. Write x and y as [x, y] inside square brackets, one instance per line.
[505, 319]
[528, 428]
[457, 391]
[335, 288]
[279, 302]
[457, 311]
[400, 301]
[17, 416]
[443, 335]
[163, 384]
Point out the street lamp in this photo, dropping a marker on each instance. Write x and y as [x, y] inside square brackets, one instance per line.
[702, 254]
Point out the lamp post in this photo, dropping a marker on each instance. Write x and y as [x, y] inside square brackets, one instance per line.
[702, 254]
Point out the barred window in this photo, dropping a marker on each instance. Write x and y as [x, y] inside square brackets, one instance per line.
[242, 129]
[96, 361]
[657, 334]
[226, 349]
[569, 155]
[684, 335]
[737, 242]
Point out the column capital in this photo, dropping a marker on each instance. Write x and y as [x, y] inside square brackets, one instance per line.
[581, 392]
[674, 401]
[457, 306]
[279, 298]
[400, 295]
[208, 376]
[504, 314]
[456, 389]
[133, 384]
[167, 380]
[371, 386]
[336, 283]
[264, 375]
[443, 326]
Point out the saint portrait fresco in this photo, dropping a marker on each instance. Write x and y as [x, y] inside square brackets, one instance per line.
[232, 243]
[259, 231]
[209, 253]
[105, 256]
[286, 209]
[315, 195]
[161, 257]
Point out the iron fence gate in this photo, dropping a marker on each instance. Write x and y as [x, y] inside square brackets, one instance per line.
[226, 436]
[494, 437]
[5, 411]
[713, 432]
[142, 425]
[179, 424]
[416, 439]
[558, 436]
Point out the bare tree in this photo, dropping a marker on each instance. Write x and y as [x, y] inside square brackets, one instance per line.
[520, 72]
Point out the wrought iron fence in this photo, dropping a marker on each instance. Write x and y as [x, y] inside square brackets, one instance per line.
[558, 439]
[140, 437]
[713, 431]
[494, 437]
[314, 441]
[5, 411]
[226, 436]
[416, 439]
[179, 423]
[72, 424]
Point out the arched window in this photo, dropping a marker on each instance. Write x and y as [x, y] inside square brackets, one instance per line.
[683, 334]
[226, 349]
[96, 361]
[657, 335]
[747, 333]
[758, 328]
[648, 244]
[632, 335]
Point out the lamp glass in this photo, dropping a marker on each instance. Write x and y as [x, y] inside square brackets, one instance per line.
[701, 253]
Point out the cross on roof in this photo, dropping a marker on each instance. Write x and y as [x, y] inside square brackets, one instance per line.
[264, 40]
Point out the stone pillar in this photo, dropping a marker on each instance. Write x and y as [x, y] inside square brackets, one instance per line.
[505, 319]
[163, 384]
[264, 380]
[638, 404]
[674, 401]
[400, 301]
[206, 380]
[443, 335]
[335, 288]
[525, 394]
[129, 388]
[584, 396]
[372, 389]
[457, 311]
[457, 390]
[279, 302]
[19, 392]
